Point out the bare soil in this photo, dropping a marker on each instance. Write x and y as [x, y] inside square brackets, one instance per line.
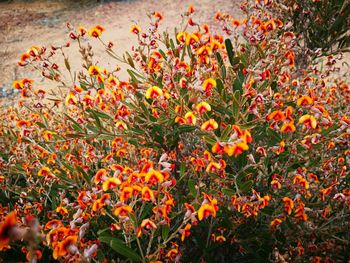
[24, 24]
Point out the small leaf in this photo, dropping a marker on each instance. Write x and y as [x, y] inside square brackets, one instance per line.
[118, 246]
[186, 128]
[66, 63]
[221, 65]
[228, 192]
[191, 186]
[165, 232]
[238, 83]
[245, 187]
[219, 85]
[229, 49]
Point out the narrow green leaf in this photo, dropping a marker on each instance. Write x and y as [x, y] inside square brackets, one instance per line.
[191, 187]
[228, 192]
[230, 52]
[119, 246]
[245, 187]
[165, 231]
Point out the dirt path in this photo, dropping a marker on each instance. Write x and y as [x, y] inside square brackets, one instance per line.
[27, 23]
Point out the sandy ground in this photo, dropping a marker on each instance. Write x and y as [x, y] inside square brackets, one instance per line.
[27, 23]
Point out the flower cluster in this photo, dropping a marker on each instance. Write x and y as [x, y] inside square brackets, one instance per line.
[216, 146]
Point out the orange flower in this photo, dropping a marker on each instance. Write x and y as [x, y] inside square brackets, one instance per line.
[191, 9]
[288, 204]
[185, 232]
[24, 60]
[101, 175]
[62, 210]
[213, 167]
[148, 224]
[181, 36]
[205, 211]
[218, 148]
[62, 248]
[203, 107]
[276, 115]
[209, 125]
[276, 184]
[120, 125]
[44, 171]
[123, 211]
[305, 100]
[71, 99]
[17, 84]
[190, 118]
[135, 29]
[96, 31]
[300, 212]
[191, 39]
[220, 239]
[247, 137]
[126, 193]
[154, 177]
[53, 224]
[158, 16]
[304, 183]
[308, 120]
[288, 127]
[204, 51]
[153, 92]
[47, 135]
[5, 229]
[147, 194]
[276, 222]
[215, 45]
[110, 183]
[236, 149]
[94, 70]
[180, 120]
[208, 84]
[290, 58]
[236, 23]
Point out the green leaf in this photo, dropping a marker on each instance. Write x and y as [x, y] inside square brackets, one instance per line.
[226, 133]
[238, 83]
[133, 76]
[245, 187]
[228, 191]
[210, 140]
[85, 175]
[119, 246]
[100, 114]
[77, 125]
[219, 85]
[83, 86]
[186, 128]
[165, 232]
[129, 59]
[221, 65]
[182, 169]
[229, 49]
[41, 125]
[191, 186]
[236, 104]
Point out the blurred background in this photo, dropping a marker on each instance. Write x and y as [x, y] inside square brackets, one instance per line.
[24, 23]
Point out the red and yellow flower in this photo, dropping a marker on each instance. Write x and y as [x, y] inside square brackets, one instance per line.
[153, 92]
[96, 31]
[209, 125]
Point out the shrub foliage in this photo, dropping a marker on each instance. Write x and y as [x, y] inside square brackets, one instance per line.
[216, 149]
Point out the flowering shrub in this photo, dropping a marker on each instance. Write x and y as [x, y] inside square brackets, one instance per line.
[322, 24]
[215, 149]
